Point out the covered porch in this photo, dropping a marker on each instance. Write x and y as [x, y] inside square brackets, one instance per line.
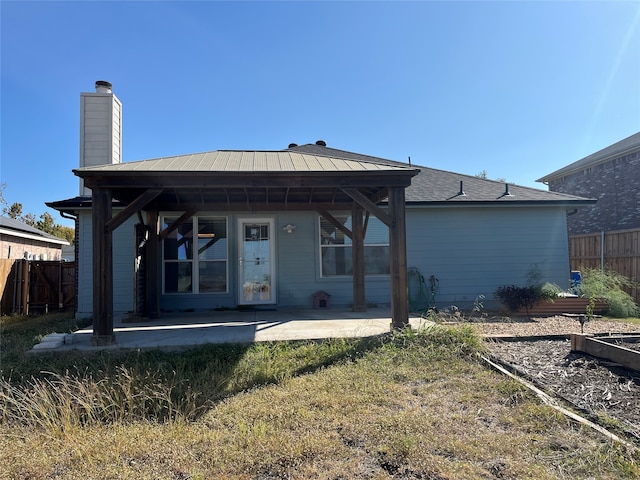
[241, 181]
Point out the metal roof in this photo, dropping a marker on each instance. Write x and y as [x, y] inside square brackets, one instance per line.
[239, 161]
[623, 147]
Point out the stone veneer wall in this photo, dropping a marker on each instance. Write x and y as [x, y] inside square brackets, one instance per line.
[616, 185]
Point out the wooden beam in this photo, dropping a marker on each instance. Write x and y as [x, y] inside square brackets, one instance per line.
[398, 259]
[207, 180]
[336, 223]
[153, 273]
[383, 216]
[133, 207]
[183, 218]
[102, 268]
[357, 259]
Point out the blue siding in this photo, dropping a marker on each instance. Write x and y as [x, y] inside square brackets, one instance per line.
[123, 262]
[472, 251]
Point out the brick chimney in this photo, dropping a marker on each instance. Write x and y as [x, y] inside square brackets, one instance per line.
[100, 129]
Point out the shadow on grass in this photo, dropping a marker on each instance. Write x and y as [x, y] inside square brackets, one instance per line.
[204, 374]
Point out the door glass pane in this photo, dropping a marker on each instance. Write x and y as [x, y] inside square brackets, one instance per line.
[256, 265]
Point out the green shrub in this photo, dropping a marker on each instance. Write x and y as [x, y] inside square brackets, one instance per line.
[609, 286]
[514, 297]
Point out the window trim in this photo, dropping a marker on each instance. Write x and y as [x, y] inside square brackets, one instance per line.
[321, 246]
[195, 260]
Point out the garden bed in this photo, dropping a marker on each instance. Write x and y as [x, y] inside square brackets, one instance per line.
[562, 305]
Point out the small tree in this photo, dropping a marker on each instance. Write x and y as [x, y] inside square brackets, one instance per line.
[609, 286]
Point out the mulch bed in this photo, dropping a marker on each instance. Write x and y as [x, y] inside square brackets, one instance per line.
[544, 357]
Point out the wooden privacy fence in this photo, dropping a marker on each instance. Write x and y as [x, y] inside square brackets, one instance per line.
[617, 251]
[36, 286]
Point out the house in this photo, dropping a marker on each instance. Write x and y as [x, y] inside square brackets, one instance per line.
[612, 176]
[231, 228]
[21, 241]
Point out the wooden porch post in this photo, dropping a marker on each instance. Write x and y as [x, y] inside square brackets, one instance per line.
[102, 269]
[398, 259]
[152, 303]
[357, 258]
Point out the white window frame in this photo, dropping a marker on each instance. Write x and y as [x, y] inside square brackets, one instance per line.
[321, 246]
[195, 261]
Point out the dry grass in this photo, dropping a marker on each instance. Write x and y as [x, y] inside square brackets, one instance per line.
[406, 406]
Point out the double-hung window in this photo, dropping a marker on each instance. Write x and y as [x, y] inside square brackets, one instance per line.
[336, 249]
[195, 256]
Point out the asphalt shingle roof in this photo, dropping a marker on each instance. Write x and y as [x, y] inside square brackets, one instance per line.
[443, 187]
[10, 224]
[623, 147]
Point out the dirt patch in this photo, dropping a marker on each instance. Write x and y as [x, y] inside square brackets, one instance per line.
[600, 388]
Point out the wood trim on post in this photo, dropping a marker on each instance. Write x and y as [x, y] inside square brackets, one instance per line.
[357, 258]
[398, 259]
[153, 274]
[102, 268]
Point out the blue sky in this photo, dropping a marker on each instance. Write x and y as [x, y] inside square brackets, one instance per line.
[517, 89]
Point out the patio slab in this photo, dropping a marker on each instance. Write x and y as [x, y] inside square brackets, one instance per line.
[176, 331]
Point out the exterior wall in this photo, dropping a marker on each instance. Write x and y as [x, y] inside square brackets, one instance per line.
[123, 262]
[615, 185]
[472, 251]
[297, 269]
[15, 247]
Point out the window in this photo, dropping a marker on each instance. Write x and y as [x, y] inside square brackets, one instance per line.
[335, 247]
[195, 256]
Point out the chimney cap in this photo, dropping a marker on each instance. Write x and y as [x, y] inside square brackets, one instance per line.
[103, 86]
[322, 143]
[292, 145]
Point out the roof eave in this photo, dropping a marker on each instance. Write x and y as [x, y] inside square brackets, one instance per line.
[508, 203]
[569, 170]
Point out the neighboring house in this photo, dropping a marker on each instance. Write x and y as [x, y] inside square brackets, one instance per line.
[224, 229]
[612, 176]
[19, 240]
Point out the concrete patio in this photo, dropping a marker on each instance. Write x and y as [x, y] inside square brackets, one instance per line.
[175, 331]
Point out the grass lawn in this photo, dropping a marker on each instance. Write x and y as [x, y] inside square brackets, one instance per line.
[412, 405]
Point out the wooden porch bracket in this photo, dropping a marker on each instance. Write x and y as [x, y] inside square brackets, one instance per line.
[183, 218]
[336, 223]
[368, 205]
[135, 206]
